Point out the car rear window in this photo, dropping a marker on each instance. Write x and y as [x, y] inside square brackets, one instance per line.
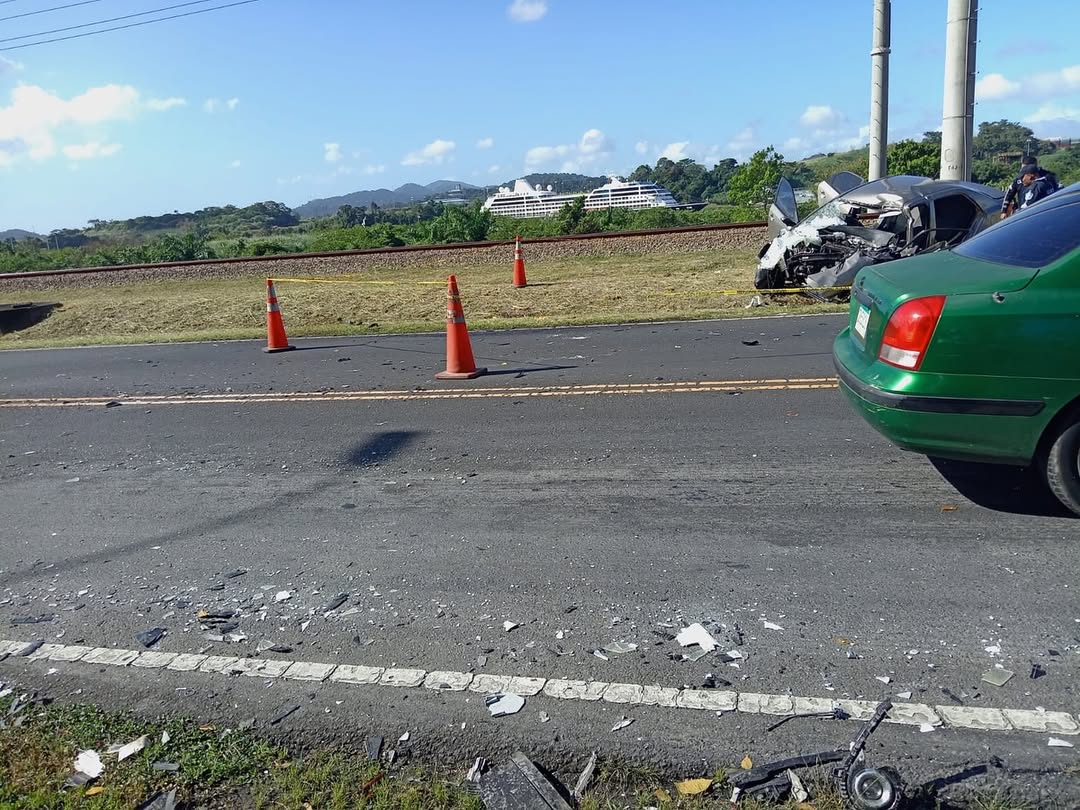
[1033, 238]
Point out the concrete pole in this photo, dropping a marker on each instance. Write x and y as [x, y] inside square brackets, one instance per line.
[879, 88]
[958, 111]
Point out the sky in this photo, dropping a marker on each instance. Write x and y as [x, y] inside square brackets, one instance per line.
[291, 100]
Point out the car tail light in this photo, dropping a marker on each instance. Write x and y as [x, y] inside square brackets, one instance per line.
[909, 331]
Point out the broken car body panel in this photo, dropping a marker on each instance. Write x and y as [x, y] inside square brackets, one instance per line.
[875, 222]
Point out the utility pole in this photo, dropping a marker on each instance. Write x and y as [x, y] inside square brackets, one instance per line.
[958, 112]
[879, 88]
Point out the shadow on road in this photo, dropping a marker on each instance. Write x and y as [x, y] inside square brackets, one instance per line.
[526, 370]
[379, 447]
[1016, 490]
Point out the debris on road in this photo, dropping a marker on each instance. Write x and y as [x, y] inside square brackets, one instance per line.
[997, 677]
[1055, 742]
[165, 737]
[88, 767]
[771, 625]
[623, 723]
[883, 678]
[336, 602]
[518, 785]
[374, 748]
[150, 637]
[600, 655]
[696, 634]
[747, 763]
[620, 648]
[501, 705]
[585, 778]
[44, 618]
[284, 712]
[1037, 671]
[544, 717]
[129, 749]
[282, 596]
[508, 626]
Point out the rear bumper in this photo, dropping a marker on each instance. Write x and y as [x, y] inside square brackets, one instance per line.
[1002, 431]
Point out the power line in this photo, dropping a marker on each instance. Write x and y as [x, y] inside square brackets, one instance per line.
[129, 25]
[47, 10]
[102, 22]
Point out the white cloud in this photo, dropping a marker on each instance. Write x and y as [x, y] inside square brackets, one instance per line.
[485, 143]
[742, 143]
[495, 167]
[1054, 83]
[89, 151]
[213, 105]
[526, 11]
[31, 124]
[162, 104]
[332, 152]
[435, 152]
[642, 147]
[995, 85]
[235, 164]
[374, 168]
[593, 148]
[675, 151]
[1053, 112]
[821, 116]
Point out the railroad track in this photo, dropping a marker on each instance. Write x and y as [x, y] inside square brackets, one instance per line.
[281, 260]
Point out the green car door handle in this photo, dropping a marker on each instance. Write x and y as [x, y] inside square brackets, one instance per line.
[998, 298]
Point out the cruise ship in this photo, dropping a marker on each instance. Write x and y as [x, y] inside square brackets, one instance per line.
[524, 200]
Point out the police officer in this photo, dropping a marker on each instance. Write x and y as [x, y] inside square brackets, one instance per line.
[1050, 184]
[1034, 186]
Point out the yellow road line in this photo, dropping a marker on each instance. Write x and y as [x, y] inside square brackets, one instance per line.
[510, 392]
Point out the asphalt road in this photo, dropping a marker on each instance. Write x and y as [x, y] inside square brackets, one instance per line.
[586, 518]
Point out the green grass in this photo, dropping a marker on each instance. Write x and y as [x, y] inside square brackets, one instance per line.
[565, 292]
[224, 768]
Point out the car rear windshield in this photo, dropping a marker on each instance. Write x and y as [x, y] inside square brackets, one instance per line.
[1033, 238]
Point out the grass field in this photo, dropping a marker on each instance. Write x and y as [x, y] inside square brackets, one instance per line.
[560, 293]
[220, 767]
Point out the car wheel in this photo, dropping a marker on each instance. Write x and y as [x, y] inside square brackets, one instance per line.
[1063, 467]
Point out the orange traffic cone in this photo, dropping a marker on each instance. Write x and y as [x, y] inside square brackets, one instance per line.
[459, 357]
[276, 340]
[519, 264]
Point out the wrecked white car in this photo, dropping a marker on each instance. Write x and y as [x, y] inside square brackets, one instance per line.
[860, 224]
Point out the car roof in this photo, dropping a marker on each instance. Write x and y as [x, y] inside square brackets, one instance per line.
[910, 187]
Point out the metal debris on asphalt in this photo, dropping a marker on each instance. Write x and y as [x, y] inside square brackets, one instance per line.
[586, 777]
[623, 723]
[150, 637]
[501, 705]
[1055, 742]
[997, 677]
[696, 634]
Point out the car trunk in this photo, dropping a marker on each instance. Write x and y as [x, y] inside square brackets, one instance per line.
[880, 289]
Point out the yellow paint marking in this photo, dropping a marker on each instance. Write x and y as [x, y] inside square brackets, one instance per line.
[509, 392]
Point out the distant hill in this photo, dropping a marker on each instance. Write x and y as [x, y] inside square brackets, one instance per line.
[17, 234]
[382, 197]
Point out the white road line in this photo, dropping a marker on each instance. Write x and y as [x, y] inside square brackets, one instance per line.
[712, 700]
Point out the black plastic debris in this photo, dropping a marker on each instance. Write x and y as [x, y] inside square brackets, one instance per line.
[162, 801]
[284, 712]
[374, 748]
[1037, 671]
[836, 714]
[30, 648]
[521, 785]
[44, 618]
[751, 342]
[150, 637]
[239, 572]
[336, 602]
[865, 788]
[113, 404]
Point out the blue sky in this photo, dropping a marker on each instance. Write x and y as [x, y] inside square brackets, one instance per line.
[296, 99]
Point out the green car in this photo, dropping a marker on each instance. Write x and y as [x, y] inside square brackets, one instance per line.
[973, 354]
